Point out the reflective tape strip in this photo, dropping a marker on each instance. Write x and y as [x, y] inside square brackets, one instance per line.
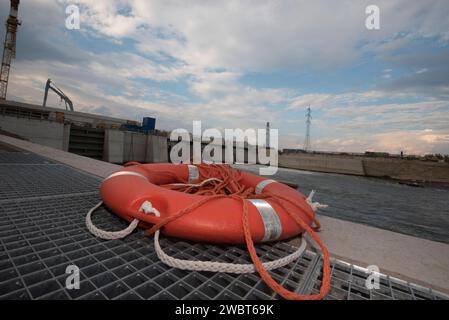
[272, 223]
[125, 173]
[193, 173]
[263, 184]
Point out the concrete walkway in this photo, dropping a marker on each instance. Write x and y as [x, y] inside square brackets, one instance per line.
[95, 167]
[416, 260]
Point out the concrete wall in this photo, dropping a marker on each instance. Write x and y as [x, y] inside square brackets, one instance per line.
[407, 169]
[144, 148]
[47, 133]
[46, 126]
[134, 147]
[322, 163]
[113, 150]
[157, 149]
[66, 137]
[217, 147]
[119, 146]
[395, 168]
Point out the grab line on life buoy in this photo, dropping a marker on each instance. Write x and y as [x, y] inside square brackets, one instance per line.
[192, 265]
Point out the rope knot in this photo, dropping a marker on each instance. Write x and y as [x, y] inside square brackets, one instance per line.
[147, 207]
[315, 205]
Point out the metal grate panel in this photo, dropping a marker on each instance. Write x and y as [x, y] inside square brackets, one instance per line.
[22, 158]
[348, 283]
[37, 180]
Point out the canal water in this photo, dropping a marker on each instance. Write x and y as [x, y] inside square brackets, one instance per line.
[419, 212]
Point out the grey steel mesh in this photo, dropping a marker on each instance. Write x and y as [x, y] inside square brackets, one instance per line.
[22, 158]
[37, 180]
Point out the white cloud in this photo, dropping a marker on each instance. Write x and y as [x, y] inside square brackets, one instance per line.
[409, 141]
[94, 89]
[265, 35]
[348, 99]
[130, 65]
[423, 70]
[212, 84]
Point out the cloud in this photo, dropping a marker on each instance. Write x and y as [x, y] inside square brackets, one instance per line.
[132, 66]
[380, 126]
[412, 141]
[267, 35]
[409, 141]
[428, 75]
[343, 100]
[212, 84]
[40, 37]
[108, 91]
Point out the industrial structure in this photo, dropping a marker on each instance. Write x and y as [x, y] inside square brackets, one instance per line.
[307, 145]
[267, 142]
[96, 136]
[60, 93]
[9, 49]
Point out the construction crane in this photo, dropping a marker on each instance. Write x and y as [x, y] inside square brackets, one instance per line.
[59, 92]
[9, 49]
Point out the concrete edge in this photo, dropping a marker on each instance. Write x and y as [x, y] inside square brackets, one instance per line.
[94, 167]
[418, 260]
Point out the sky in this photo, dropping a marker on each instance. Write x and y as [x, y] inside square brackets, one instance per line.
[239, 64]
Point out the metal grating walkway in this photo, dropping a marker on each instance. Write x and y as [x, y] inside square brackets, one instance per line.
[42, 231]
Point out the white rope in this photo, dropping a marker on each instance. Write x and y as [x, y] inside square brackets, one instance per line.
[315, 205]
[211, 266]
[108, 235]
[222, 266]
[191, 265]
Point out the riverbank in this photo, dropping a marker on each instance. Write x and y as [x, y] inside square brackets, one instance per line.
[408, 171]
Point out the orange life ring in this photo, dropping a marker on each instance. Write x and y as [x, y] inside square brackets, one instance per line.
[218, 221]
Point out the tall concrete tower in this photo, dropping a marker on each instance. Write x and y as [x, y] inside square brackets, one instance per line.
[307, 145]
[9, 49]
